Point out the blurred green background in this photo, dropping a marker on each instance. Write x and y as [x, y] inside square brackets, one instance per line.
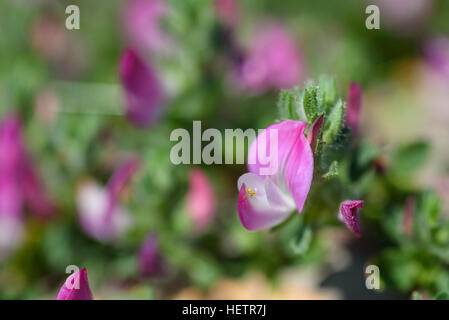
[65, 86]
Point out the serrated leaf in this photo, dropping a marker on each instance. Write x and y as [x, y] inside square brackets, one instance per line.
[328, 92]
[334, 122]
[310, 102]
[286, 103]
[299, 105]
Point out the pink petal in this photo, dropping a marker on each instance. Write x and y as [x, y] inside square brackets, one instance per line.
[314, 132]
[36, 196]
[150, 262]
[256, 214]
[273, 60]
[76, 287]
[349, 215]
[142, 19]
[201, 200]
[299, 171]
[287, 133]
[143, 91]
[354, 101]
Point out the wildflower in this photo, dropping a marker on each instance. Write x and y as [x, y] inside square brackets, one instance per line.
[141, 21]
[100, 213]
[143, 92]
[349, 215]
[150, 261]
[273, 61]
[266, 200]
[76, 287]
[353, 106]
[200, 199]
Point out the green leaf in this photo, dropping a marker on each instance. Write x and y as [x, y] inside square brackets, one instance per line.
[310, 102]
[442, 296]
[334, 122]
[301, 243]
[328, 92]
[286, 105]
[333, 171]
[410, 157]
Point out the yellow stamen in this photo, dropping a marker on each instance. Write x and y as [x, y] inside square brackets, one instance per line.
[250, 192]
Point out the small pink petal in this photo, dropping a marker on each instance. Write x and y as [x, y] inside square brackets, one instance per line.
[76, 287]
[349, 215]
[143, 91]
[201, 202]
[314, 132]
[354, 102]
[142, 20]
[150, 261]
[273, 61]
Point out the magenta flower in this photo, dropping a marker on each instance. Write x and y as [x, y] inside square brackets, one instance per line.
[19, 185]
[150, 261]
[273, 61]
[76, 287]
[349, 215]
[200, 199]
[100, 213]
[141, 21]
[436, 52]
[267, 198]
[354, 102]
[143, 91]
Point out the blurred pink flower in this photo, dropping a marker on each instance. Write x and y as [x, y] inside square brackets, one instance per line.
[100, 213]
[76, 287]
[349, 215]
[273, 61]
[19, 185]
[142, 89]
[267, 200]
[227, 11]
[436, 52]
[201, 200]
[150, 261]
[354, 103]
[142, 19]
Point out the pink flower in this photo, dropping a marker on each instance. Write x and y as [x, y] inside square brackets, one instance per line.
[349, 215]
[273, 61]
[354, 102]
[100, 213]
[150, 261]
[19, 185]
[76, 287]
[200, 199]
[266, 200]
[436, 52]
[142, 19]
[143, 91]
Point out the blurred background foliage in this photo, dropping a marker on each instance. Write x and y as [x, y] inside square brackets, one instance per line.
[65, 86]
